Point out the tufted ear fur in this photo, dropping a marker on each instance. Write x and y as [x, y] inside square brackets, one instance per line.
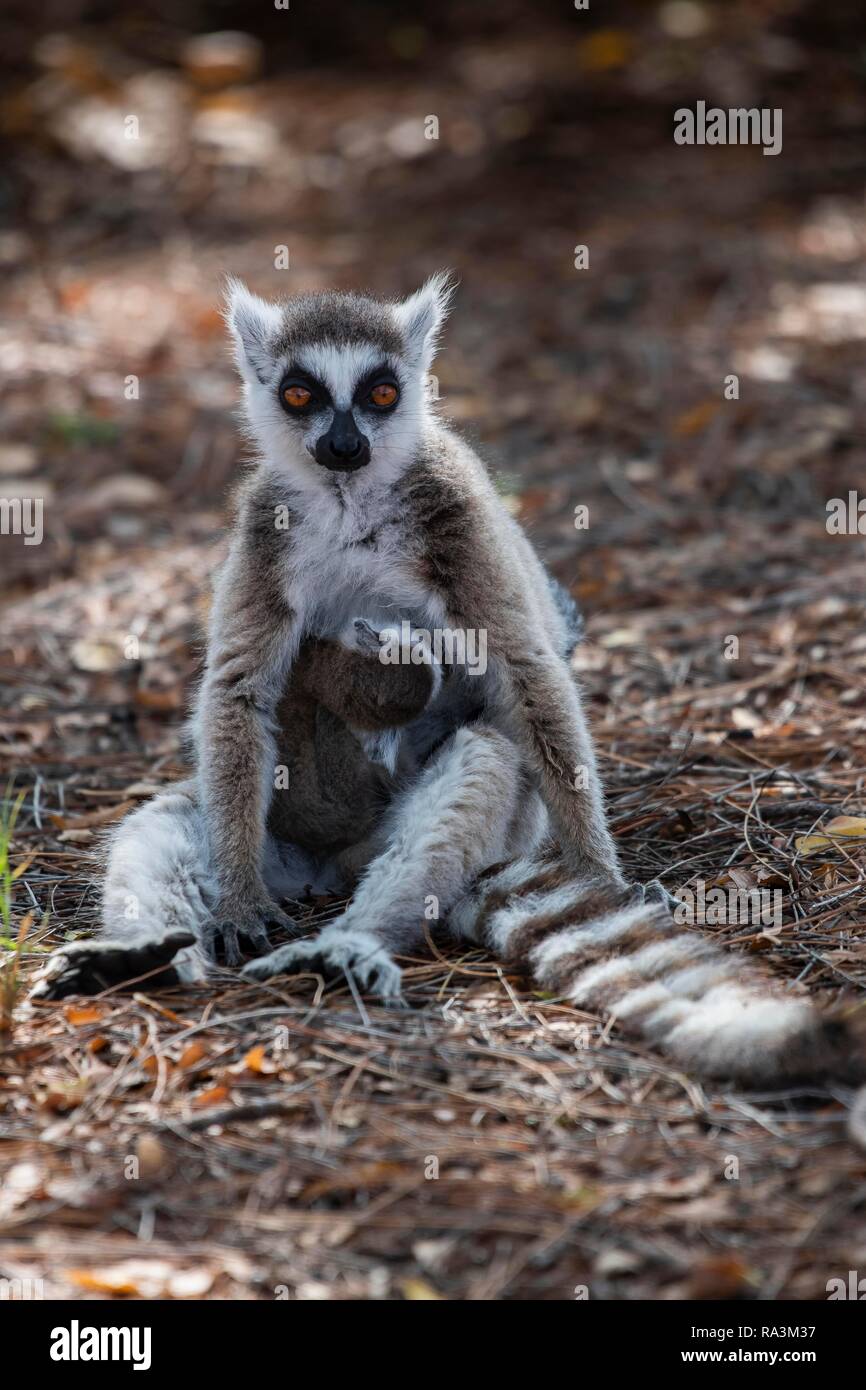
[422, 315]
[253, 323]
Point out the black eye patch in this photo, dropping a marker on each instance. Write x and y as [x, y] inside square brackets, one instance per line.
[381, 380]
[301, 394]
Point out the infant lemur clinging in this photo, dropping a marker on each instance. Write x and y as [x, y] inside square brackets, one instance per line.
[362, 506]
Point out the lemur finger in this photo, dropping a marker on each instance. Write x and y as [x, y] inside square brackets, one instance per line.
[332, 954]
[221, 938]
[655, 892]
[366, 638]
[285, 960]
[279, 919]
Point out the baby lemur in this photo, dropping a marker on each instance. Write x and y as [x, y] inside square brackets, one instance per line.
[363, 502]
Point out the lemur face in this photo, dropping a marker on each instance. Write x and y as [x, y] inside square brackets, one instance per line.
[342, 401]
[336, 384]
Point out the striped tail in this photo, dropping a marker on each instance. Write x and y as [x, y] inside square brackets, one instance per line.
[711, 1011]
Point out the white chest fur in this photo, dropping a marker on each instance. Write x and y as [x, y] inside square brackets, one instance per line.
[349, 559]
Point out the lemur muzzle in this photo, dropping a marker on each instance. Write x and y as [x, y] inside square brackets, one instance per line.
[343, 447]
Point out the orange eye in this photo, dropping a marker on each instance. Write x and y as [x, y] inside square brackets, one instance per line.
[383, 395]
[297, 397]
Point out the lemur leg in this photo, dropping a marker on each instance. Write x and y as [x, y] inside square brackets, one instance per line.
[157, 902]
[456, 820]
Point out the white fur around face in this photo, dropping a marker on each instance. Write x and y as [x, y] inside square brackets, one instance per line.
[286, 445]
[340, 368]
[421, 317]
[252, 323]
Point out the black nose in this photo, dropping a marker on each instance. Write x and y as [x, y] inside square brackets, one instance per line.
[343, 447]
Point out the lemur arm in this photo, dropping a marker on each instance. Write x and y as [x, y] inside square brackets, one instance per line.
[253, 636]
[553, 731]
[484, 582]
[364, 692]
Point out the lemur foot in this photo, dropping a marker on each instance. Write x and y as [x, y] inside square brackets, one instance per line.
[654, 894]
[334, 952]
[89, 967]
[248, 918]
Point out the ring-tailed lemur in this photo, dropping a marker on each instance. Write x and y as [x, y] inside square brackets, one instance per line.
[362, 501]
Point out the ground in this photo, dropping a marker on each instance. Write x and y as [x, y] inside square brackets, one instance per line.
[697, 388]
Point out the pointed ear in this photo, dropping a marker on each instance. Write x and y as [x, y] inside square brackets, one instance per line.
[422, 315]
[252, 322]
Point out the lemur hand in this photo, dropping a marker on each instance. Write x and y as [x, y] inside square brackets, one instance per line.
[363, 637]
[415, 647]
[89, 967]
[245, 913]
[333, 953]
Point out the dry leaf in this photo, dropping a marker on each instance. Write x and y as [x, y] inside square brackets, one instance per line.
[79, 1014]
[604, 50]
[841, 828]
[193, 1053]
[64, 1095]
[418, 1290]
[143, 1279]
[151, 1155]
[22, 867]
[90, 655]
[92, 819]
[214, 1096]
[694, 420]
[21, 1181]
[159, 700]
[257, 1061]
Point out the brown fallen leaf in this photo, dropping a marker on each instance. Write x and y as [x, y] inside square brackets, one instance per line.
[94, 656]
[93, 819]
[61, 1096]
[214, 1096]
[418, 1290]
[694, 420]
[143, 1279]
[361, 1177]
[151, 1155]
[193, 1053]
[840, 828]
[257, 1061]
[159, 700]
[79, 1014]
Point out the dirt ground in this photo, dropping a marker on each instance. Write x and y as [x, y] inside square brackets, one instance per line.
[293, 1141]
